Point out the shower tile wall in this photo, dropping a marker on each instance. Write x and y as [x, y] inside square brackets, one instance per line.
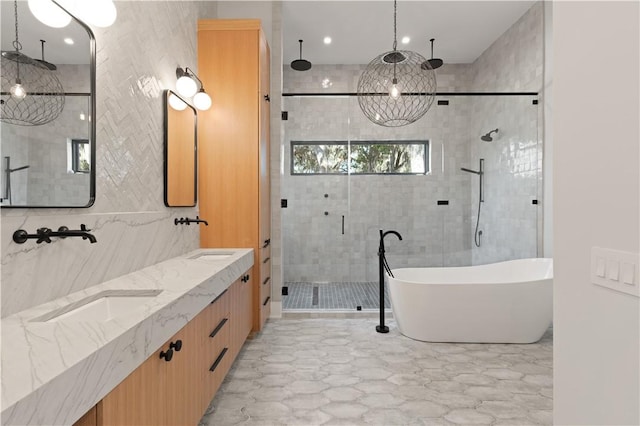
[133, 227]
[511, 224]
[314, 247]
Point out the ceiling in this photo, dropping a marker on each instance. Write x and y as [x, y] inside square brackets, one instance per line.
[361, 30]
[31, 31]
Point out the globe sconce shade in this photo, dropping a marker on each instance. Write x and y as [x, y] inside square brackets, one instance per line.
[202, 100]
[189, 85]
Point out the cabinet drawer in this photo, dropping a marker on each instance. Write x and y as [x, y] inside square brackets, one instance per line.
[217, 364]
[218, 309]
[265, 290]
[265, 308]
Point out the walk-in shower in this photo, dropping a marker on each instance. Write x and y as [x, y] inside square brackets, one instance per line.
[345, 178]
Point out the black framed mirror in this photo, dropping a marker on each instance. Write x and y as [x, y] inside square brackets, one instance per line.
[47, 136]
[180, 152]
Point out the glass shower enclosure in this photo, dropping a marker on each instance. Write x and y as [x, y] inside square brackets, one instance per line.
[346, 178]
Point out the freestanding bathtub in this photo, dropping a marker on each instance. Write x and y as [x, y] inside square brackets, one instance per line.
[505, 302]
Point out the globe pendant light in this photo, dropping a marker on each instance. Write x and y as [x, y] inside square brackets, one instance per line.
[395, 88]
[35, 95]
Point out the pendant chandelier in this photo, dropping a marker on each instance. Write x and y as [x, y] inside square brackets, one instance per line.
[397, 87]
[31, 94]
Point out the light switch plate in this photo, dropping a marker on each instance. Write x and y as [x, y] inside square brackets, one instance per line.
[615, 269]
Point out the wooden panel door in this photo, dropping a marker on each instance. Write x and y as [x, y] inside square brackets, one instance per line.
[159, 392]
[139, 399]
[233, 63]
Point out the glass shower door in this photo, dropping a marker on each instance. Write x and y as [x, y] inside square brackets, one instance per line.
[315, 245]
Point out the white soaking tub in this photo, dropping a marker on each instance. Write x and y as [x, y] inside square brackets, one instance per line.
[505, 302]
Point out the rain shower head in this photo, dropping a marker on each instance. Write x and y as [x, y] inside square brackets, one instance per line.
[301, 64]
[487, 137]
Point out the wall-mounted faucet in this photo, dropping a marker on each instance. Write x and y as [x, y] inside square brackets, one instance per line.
[188, 221]
[44, 235]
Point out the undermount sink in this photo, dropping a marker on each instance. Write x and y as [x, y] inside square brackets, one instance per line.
[212, 255]
[101, 307]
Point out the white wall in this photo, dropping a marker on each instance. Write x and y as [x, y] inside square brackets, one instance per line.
[596, 203]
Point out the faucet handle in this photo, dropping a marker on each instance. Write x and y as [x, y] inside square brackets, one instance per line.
[43, 234]
[83, 227]
[62, 229]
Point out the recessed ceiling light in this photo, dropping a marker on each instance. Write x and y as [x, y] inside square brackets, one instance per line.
[68, 40]
[406, 40]
[327, 40]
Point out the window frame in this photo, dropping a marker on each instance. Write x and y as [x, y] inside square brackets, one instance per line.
[346, 143]
[75, 155]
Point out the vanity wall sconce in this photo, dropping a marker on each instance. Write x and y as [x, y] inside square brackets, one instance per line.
[187, 86]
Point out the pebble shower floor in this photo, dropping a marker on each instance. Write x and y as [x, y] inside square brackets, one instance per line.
[341, 372]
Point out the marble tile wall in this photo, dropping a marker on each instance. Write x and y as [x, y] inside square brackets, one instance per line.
[136, 61]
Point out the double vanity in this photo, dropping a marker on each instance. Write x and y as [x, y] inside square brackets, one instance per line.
[156, 342]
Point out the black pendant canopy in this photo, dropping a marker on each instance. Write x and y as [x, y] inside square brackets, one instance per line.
[48, 65]
[433, 62]
[301, 64]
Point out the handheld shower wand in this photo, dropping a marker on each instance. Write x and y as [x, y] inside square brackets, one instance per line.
[478, 234]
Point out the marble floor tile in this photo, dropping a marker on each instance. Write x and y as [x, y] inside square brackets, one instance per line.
[327, 371]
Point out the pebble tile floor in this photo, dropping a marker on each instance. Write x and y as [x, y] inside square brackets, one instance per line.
[343, 295]
[341, 372]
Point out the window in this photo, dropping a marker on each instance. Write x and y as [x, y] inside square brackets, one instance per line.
[80, 156]
[359, 157]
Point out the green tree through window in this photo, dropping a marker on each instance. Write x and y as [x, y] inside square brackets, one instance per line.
[379, 157]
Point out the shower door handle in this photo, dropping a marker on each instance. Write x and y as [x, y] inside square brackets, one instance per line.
[342, 224]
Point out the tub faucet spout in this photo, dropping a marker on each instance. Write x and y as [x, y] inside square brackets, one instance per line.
[384, 266]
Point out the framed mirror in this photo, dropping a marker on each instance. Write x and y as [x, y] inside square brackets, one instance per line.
[180, 152]
[47, 129]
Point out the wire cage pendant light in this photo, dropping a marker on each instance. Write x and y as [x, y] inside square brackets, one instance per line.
[396, 88]
[31, 94]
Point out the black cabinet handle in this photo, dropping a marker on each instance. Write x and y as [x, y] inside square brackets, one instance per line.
[219, 296]
[266, 243]
[166, 355]
[245, 278]
[218, 360]
[218, 327]
[267, 98]
[266, 260]
[266, 281]
[177, 346]
[266, 301]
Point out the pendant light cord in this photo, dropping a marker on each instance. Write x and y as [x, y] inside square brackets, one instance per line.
[395, 25]
[395, 37]
[16, 43]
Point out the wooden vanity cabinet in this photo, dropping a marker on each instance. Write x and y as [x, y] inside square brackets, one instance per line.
[163, 391]
[178, 391]
[233, 146]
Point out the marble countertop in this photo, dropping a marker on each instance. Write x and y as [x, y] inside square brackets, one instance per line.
[54, 372]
